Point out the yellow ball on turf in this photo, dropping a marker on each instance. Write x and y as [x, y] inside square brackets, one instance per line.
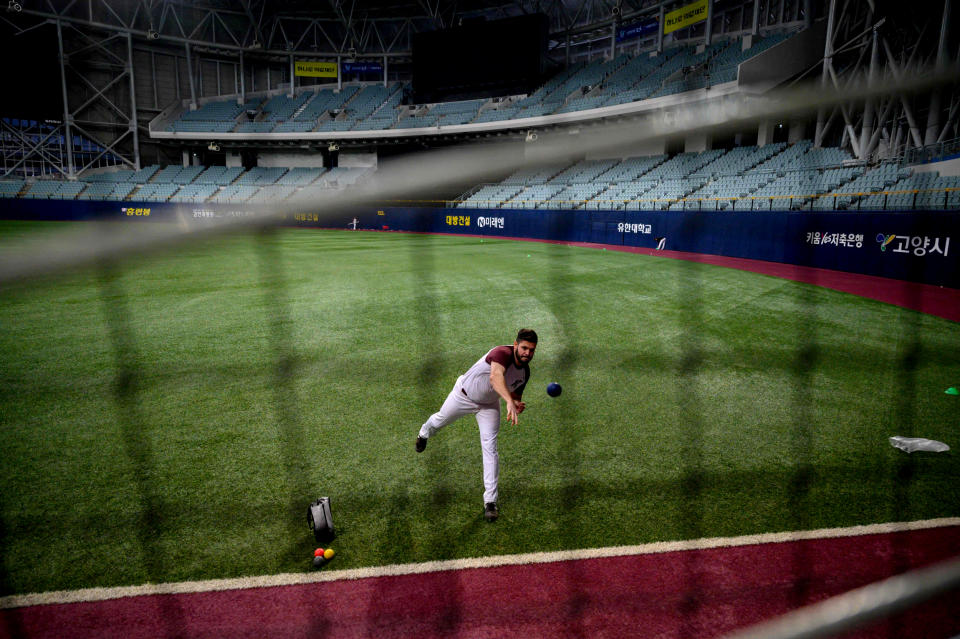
[328, 554]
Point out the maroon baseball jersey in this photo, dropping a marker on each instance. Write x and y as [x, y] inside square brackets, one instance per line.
[476, 381]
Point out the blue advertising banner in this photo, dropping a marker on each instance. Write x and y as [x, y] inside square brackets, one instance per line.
[921, 246]
[916, 246]
[637, 29]
[361, 67]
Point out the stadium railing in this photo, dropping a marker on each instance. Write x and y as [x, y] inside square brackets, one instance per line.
[940, 151]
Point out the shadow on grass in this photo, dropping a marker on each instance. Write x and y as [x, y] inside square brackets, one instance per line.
[136, 442]
[623, 511]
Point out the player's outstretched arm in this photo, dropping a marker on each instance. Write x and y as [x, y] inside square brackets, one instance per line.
[499, 384]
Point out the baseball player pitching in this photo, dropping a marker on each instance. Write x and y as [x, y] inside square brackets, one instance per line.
[500, 374]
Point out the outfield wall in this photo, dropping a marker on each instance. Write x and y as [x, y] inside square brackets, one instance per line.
[920, 246]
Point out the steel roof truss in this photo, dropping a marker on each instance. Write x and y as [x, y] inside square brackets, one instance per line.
[34, 149]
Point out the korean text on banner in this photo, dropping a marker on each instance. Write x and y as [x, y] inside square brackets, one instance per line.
[315, 69]
[685, 16]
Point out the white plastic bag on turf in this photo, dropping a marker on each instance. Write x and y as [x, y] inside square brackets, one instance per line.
[911, 444]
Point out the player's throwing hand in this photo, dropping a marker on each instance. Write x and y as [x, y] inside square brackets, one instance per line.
[513, 415]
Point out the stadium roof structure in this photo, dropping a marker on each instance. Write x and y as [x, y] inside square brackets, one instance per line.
[122, 63]
[361, 27]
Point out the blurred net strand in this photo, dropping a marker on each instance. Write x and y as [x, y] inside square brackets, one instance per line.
[135, 437]
[860, 606]
[410, 174]
[423, 171]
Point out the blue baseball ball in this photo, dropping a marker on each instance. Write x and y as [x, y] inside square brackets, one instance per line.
[553, 389]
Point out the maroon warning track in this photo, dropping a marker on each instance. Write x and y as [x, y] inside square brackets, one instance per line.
[692, 593]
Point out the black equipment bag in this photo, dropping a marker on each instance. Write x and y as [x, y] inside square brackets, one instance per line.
[320, 519]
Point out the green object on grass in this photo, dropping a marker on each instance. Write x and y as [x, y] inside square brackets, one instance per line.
[952, 391]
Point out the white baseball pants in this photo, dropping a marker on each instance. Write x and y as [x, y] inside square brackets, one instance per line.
[458, 405]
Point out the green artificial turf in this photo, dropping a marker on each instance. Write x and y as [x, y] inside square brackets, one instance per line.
[172, 418]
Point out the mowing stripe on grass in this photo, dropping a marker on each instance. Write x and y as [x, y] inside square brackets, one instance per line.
[290, 579]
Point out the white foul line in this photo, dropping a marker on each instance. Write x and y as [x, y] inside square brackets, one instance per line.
[292, 579]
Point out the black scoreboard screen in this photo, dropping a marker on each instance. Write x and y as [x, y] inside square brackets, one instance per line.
[480, 59]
